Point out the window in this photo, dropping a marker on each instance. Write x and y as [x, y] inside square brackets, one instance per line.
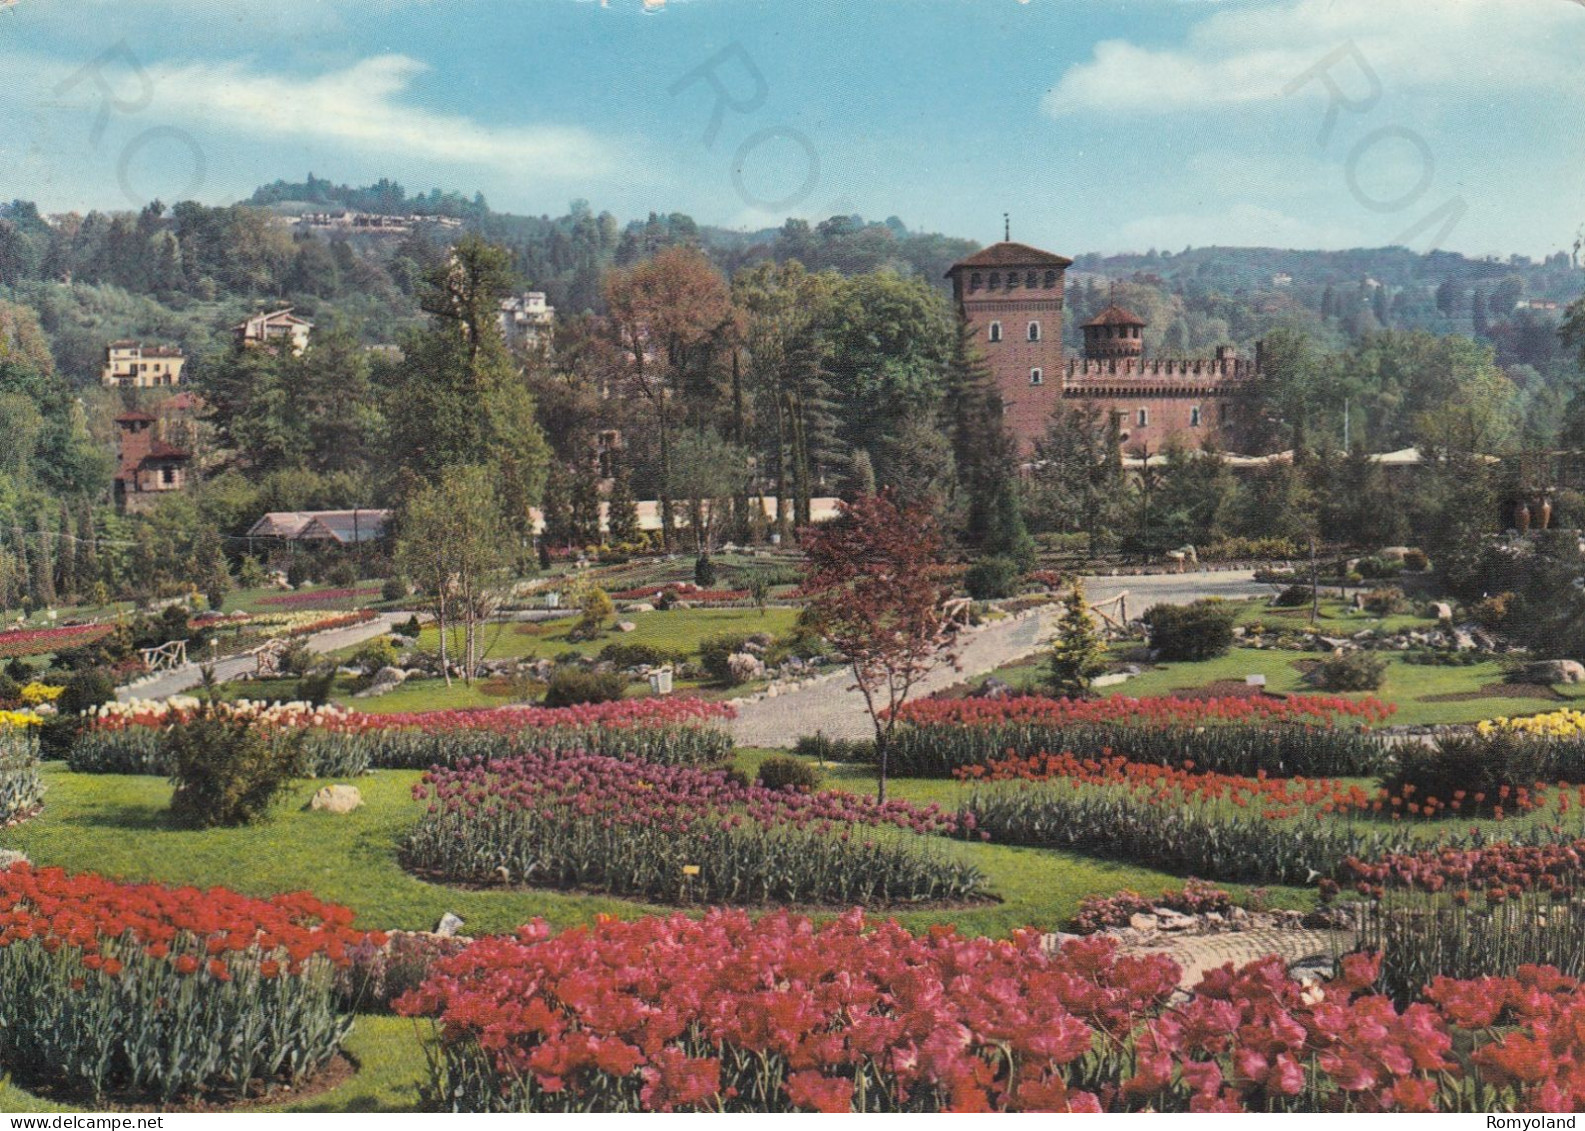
[167, 475]
[976, 280]
[995, 331]
[1051, 279]
[1143, 418]
[1034, 331]
[1194, 417]
[1036, 377]
[1031, 280]
[996, 279]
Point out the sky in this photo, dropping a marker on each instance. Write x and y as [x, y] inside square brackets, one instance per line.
[1099, 125]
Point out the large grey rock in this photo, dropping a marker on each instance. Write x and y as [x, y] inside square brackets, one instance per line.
[337, 799]
[449, 925]
[1555, 671]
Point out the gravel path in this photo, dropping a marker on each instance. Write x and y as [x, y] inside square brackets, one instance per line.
[1197, 954]
[829, 706]
[166, 684]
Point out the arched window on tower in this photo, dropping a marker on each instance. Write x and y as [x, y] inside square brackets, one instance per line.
[995, 331]
[1036, 377]
[1034, 331]
[1194, 417]
[1143, 418]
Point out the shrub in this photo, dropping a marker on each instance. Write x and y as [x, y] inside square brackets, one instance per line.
[10, 690]
[1294, 597]
[826, 749]
[147, 994]
[1386, 601]
[342, 575]
[395, 588]
[1491, 612]
[597, 608]
[639, 655]
[1201, 631]
[315, 687]
[1351, 671]
[570, 687]
[1379, 568]
[227, 768]
[299, 573]
[992, 577]
[374, 655]
[788, 773]
[704, 572]
[1415, 561]
[85, 690]
[716, 652]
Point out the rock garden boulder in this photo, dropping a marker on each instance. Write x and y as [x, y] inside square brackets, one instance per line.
[337, 799]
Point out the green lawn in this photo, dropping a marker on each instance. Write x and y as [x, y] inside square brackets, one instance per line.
[679, 630]
[1416, 689]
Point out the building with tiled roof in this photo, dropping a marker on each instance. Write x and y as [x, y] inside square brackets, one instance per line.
[1013, 297]
[133, 365]
[274, 330]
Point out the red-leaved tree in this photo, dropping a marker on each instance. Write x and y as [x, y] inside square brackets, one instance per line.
[876, 595]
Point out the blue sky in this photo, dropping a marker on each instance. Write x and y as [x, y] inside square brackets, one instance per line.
[1105, 125]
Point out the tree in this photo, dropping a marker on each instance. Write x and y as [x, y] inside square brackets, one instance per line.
[667, 311]
[875, 595]
[707, 472]
[622, 511]
[1078, 654]
[451, 543]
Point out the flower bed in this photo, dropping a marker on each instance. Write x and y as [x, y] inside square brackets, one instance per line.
[126, 737]
[1302, 735]
[305, 623]
[683, 592]
[729, 1014]
[677, 834]
[40, 641]
[1483, 910]
[146, 993]
[319, 597]
[21, 786]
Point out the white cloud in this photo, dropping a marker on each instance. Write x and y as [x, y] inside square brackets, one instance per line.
[360, 106]
[1241, 55]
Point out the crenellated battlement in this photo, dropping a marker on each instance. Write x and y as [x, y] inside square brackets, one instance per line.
[1200, 370]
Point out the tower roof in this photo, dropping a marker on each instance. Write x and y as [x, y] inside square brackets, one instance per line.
[1009, 254]
[1115, 315]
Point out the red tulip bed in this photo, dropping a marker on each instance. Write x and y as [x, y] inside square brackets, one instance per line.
[676, 731]
[1486, 909]
[679, 834]
[142, 993]
[727, 1013]
[41, 641]
[319, 597]
[1317, 736]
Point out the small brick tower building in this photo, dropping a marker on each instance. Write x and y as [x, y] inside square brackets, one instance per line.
[1012, 297]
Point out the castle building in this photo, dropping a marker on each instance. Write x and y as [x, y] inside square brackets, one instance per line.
[148, 466]
[1012, 296]
[133, 365]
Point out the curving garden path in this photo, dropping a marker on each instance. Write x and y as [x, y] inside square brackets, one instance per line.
[829, 706]
[166, 684]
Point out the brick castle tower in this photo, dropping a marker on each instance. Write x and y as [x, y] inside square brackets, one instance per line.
[1012, 297]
